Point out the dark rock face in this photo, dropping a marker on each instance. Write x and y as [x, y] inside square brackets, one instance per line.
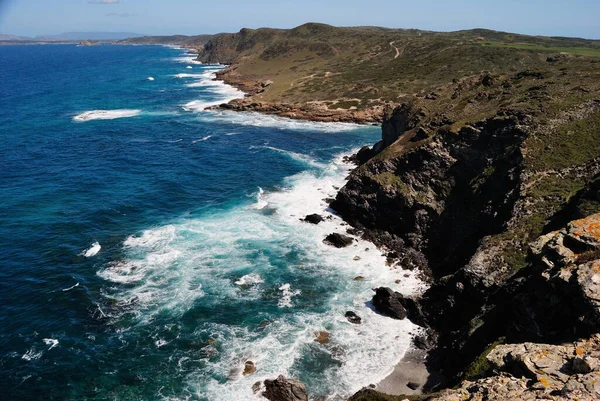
[443, 197]
[353, 317]
[282, 389]
[389, 303]
[364, 154]
[313, 218]
[338, 240]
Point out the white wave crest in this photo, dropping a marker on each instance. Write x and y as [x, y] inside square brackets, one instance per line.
[106, 114]
[92, 250]
[271, 121]
[169, 269]
[32, 354]
[250, 279]
[52, 342]
[260, 202]
[286, 296]
[150, 78]
[206, 138]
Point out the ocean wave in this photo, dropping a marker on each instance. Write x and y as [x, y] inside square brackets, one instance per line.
[264, 120]
[106, 114]
[216, 258]
[52, 342]
[222, 92]
[302, 158]
[92, 250]
[206, 138]
[249, 279]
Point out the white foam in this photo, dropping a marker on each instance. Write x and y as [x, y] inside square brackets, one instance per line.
[260, 202]
[92, 250]
[272, 121]
[189, 67]
[222, 92]
[305, 159]
[206, 138]
[187, 59]
[52, 342]
[250, 279]
[169, 269]
[150, 78]
[32, 354]
[70, 288]
[106, 114]
[286, 296]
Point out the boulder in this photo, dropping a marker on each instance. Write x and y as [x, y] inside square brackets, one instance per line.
[338, 240]
[313, 218]
[353, 317]
[389, 303]
[364, 154]
[282, 389]
[249, 368]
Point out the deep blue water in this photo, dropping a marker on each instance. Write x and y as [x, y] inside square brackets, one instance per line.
[203, 263]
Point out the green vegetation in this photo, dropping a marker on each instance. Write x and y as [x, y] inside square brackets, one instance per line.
[573, 142]
[365, 67]
[582, 51]
[481, 366]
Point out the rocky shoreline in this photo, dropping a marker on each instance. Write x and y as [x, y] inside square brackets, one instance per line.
[310, 112]
[471, 185]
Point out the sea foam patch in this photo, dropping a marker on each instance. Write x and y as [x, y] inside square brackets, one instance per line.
[106, 114]
[169, 269]
[271, 121]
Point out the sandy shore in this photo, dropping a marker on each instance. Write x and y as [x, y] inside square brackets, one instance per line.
[410, 369]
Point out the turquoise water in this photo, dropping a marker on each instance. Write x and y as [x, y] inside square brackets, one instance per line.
[148, 248]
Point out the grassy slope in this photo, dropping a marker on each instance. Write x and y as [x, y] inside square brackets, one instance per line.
[357, 67]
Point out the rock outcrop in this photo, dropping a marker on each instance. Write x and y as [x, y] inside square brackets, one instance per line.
[282, 389]
[389, 303]
[338, 240]
[532, 371]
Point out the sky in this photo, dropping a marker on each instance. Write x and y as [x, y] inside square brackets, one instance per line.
[580, 18]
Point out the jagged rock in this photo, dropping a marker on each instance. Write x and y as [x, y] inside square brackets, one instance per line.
[256, 387]
[389, 303]
[353, 317]
[313, 218]
[338, 240]
[282, 389]
[364, 154]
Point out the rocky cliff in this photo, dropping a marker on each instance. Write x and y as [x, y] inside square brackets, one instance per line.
[464, 180]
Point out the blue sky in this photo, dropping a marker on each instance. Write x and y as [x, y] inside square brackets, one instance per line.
[538, 17]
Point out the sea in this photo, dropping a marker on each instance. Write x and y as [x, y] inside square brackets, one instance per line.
[150, 249]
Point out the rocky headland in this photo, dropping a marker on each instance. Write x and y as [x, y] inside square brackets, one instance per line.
[486, 180]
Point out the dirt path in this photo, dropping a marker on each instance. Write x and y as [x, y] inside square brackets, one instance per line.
[395, 48]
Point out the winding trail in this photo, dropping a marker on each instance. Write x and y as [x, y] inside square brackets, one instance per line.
[395, 48]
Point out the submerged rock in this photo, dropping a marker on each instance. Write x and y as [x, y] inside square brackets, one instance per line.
[353, 317]
[322, 337]
[249, 368]
[338, 240]
[282, 389]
